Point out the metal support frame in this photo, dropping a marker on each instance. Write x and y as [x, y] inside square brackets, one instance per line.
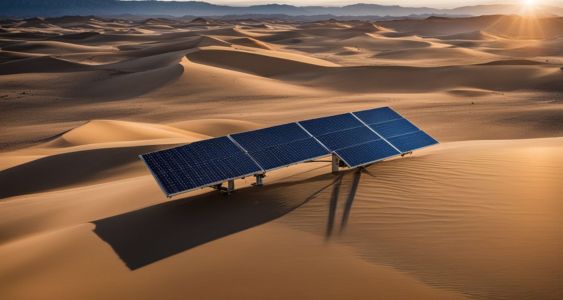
[335, 163]
[406, 153]
[259, 179]
[230, 186]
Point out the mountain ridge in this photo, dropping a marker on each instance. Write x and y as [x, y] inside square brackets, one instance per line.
[46, 8]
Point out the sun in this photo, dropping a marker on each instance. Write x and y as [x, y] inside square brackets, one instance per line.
[529, 7]
[529, 3]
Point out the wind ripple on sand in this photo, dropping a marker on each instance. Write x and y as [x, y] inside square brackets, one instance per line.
[479, 217]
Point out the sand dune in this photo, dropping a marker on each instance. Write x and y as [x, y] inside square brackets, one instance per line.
[501, 78]
[471, 92]
[250, 42]
[118, 84]
[216, 127]
[188, 43]
[107, 131]
[53, 47]
[10, 55]
[477, 216]
[41, 64]
[255, 63]
[472, 35]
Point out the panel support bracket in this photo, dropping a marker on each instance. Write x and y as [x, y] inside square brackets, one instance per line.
[259, 179]
[335, 163]
[406, 153]
[230, 186]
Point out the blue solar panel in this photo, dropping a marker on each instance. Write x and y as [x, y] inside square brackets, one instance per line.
[290, 153]
[394, 128]
[412, 141]
[217, 160]
[204, 150]
[268, 137]
[199, 164]
[325, 125]
[377, 115]
[346, 138]
[366, 153]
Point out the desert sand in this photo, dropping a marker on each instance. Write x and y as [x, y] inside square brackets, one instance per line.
[477, 216]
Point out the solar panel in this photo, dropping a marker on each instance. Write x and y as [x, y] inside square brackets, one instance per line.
[199, 164]
[286, 154]
[398, 131]
[263, 138]
[325, 125]
[280, 146]
[377, 115]
[394, 128]
[205, 150]
[412, 141]
[366, 153]
[358, 138]
[346, 138]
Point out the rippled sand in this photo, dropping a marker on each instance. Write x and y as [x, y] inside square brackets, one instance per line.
[480, 217]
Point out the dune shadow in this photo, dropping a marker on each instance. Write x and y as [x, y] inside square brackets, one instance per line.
[153, 233]
[71, 169]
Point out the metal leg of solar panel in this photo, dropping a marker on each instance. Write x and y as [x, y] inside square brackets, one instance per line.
[335, 163]
[230, 186]
[259, 179]
[406, 153]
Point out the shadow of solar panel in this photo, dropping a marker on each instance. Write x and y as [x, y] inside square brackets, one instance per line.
[325, 125]
[412, 141]
[377, 115]
[268, 137]
[394, 128]
[286, 154]
[346, 138]
[366, 153]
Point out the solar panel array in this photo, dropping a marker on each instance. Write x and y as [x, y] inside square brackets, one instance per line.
[357, 138]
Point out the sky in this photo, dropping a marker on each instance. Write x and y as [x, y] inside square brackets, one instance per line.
[410, 3]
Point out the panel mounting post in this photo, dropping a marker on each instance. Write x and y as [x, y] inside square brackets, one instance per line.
[335, 163]
[230, 186]
[259, 179]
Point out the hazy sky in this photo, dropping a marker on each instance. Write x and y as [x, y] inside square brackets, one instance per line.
[412, 3]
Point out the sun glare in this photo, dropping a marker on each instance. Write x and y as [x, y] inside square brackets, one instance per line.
[529, 7]
[529, 3]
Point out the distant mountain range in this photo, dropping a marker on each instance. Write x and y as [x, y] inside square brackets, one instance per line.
[52, 8]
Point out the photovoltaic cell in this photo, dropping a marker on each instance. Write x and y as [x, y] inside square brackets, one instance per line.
[290, 153]
[394, 128]
[204, 150]
[326, 125]
[366, 153]
[346, 138]
[397, 130]
[377, 115]
[412, 141]
[268, 137]
[199, 164]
